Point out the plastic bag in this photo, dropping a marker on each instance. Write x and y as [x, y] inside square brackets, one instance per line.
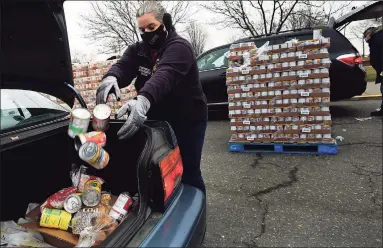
[93, 227]
[15, 236]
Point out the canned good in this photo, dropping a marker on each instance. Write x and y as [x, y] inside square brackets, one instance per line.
[303, 118]
[79, 122]
[257, 111]
[264, 93]
[295, 118]
[280, 101]
[55, 218]
[72, 203]
[264, 102]
[318, 127]
[310, 118]
[288, 118]
[286, 92]
[264, 111]
[301, 82]
[271, 93]
[309, 100]
[97, 137]
[94, 155]
[303, 136]
[91, 197]
[319, 118]
[327, 118]
[281, 118]
[293, 100]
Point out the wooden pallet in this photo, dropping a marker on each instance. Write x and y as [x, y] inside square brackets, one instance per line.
[288, 148]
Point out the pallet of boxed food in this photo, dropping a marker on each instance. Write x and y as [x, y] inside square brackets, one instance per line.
[279, 96]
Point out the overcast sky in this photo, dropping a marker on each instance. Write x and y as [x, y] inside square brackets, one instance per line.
[216, 37]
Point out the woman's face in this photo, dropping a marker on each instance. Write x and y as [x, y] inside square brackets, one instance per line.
[147, 23]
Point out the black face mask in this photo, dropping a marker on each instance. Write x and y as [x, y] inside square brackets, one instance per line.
[155, 39]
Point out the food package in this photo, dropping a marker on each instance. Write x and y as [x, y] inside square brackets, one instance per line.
[93, 227]
[56, 200]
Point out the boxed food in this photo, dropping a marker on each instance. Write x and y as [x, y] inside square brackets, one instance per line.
[282, 94]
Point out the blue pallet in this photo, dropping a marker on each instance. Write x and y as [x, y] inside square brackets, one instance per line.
[287, 148]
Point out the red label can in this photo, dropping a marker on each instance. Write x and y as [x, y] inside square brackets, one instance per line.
[101, 117]
[96, 136]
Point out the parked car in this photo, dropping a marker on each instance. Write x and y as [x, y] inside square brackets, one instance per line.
[347, 73]
[37, 153]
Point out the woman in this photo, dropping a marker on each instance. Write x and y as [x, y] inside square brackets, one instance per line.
[168, 87]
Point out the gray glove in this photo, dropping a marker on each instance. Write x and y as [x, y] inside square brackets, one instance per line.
[108, 86]
[138, 109]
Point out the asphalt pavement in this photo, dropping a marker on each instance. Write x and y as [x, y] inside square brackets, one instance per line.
[281, 200]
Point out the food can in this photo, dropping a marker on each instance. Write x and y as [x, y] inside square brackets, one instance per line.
[93, 183]
[310, 118]
[101, 117]
[280, 101]
[319, 118]
[294, 100]
[91, 197]
[94, 155]
[303, 118]
[79, 122]
[121, 206]
[97, 137]
[55, 218]
[72, 203]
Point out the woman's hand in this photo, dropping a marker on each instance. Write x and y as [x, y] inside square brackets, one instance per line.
[108, 86]
[138, 109]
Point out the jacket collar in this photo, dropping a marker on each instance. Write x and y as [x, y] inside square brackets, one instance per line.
[144, 49]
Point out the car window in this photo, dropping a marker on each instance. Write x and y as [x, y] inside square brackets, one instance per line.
[23, 108]
[213, 60]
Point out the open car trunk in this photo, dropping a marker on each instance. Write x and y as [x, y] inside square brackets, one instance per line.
[32, 171]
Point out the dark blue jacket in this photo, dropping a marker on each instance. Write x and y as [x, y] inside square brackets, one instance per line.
[376, 54]
[171, 83]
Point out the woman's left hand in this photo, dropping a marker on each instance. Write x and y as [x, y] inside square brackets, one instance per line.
[136, 117]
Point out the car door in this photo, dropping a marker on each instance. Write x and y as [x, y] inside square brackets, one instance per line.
[212, 67]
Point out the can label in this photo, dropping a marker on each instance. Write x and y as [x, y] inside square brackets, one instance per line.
[55, 218]
[94, 155]
[93, 184]
[121, 206]
[78, 122]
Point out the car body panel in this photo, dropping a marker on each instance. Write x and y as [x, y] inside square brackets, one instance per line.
[35, 48]
[177, 229]
[371, 10]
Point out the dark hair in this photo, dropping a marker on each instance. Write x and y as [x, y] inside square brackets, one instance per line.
[168, 23]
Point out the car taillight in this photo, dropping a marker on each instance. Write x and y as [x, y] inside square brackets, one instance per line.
[350, 59]
[171, 171]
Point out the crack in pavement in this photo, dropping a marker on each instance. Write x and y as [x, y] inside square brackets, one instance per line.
[257, 160]
[363, 172]
[374, 196]
[292, 179]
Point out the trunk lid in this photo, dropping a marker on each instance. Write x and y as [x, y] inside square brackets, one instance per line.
[35, 49]
[367, 11]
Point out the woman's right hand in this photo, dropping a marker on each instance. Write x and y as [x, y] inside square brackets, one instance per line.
[108, 86]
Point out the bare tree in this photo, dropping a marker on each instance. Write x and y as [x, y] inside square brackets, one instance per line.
[314, 13]
[267, 17]
[197, 37]
[112, 24]
[79, 57]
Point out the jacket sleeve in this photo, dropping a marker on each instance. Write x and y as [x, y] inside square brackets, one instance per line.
[174, 65]
[125, 70]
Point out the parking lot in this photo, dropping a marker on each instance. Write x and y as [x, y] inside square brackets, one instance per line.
[298, 200]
